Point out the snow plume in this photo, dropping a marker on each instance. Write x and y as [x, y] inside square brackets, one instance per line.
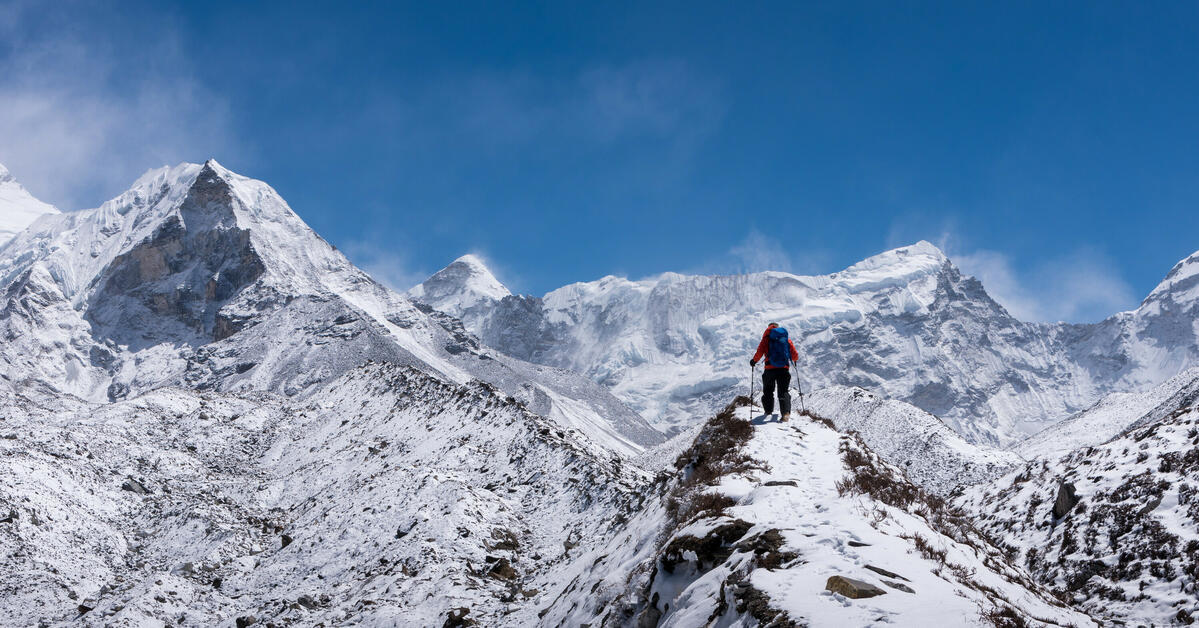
[1079, 286]
[79, 123]
[389, 265]
[759, 252]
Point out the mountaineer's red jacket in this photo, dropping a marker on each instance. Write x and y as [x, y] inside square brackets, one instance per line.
[765, 346]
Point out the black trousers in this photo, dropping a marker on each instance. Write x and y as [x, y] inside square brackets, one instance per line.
[782, 379]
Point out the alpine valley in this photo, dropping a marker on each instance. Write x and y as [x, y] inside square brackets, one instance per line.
[210, 417]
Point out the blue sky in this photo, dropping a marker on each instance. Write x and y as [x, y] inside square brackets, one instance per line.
[1049, 148]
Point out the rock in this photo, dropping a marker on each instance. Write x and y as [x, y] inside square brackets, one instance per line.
[649, 618]
[853, 589]
[858, 544]
[83, 609]
[458, 617]
[1151, 506]
[1066, 500]
[902, 587]
[502, 570]
[246, 620]
[883, 572]
[134, 486]
[12, 517]
[284, 541]
[307, 602]
[780, 483]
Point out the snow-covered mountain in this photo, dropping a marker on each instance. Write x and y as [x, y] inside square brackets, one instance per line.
[18, 208]
[203, 277]
[208, 416]
[905, 324]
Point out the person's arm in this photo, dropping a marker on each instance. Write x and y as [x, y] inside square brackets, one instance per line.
[761, 350]
[794, 353]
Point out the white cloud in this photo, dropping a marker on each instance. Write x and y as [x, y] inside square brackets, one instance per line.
[1078, 286]
[79, 124]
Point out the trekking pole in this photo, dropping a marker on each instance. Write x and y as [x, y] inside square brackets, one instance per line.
[751, 393]
[799, 385]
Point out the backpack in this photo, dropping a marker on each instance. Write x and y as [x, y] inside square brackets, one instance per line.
[778, 351]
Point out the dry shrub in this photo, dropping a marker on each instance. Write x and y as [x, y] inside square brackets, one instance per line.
[1004, 617]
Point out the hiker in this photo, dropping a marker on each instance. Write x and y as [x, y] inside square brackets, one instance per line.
[779, 353]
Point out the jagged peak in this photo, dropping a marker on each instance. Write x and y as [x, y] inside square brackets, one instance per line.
[1181, 283]
[922, 252]
[463, 283]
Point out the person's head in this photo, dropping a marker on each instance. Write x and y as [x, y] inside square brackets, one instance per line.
[772, 326]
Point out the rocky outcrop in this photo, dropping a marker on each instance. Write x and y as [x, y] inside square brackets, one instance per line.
[1066, 500]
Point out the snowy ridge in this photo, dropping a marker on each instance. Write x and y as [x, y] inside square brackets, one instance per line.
[755, 541]
[18, 208]
[931, 454]
[1115, 527]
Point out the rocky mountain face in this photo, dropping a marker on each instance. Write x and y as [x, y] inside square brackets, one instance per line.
[905, 324]
[1112, 527]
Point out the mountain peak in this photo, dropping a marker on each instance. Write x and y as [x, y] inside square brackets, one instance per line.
[897, 265]
[1181, 284]
[18, 208]
[465, 283]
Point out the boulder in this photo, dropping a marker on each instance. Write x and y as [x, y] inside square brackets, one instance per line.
[134, 486]
[851, 588]
[502, 570]
[1066, 500]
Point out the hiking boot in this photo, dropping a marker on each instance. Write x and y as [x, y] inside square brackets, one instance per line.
[786, 417]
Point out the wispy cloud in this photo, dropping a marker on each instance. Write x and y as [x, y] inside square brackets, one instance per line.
[1076, 286]
[78, 125]
[664, 108]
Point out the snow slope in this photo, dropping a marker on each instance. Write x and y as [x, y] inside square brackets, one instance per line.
[1129, 547]
[372, 503]
[904, 324]
[18, 208]
[1108, 418]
